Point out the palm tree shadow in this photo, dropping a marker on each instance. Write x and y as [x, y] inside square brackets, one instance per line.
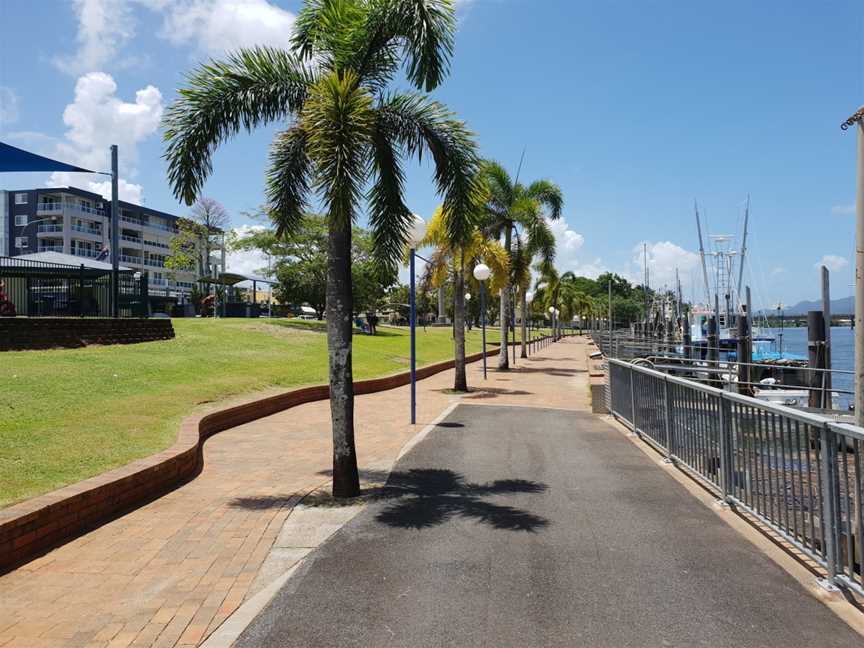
[421, 498]
[426, 497]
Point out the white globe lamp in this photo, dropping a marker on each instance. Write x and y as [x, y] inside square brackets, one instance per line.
[417, 231]
[482, 272]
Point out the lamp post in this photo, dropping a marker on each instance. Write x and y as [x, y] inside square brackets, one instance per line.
[415, 235]
[481, 274]
[529, 297]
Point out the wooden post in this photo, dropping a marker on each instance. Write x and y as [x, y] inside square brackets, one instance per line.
[745, 355]
[816, 356]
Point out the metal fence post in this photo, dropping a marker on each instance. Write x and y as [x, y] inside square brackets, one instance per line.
[725, 448]
[830, 525]
[667, 407]
[81, 291]
[633, 401]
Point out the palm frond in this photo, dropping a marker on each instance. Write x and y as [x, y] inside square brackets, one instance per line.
[423, 125]
[288, 180]
[502, 191]
[339, 121]
[428, 29]
[253, 87]
[389, 217]
[547, 194]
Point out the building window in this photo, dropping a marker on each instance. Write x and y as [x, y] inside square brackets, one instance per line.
[20, 220]
[21, 242]
[20, 198]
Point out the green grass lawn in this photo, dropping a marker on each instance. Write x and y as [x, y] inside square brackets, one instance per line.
[66, 415]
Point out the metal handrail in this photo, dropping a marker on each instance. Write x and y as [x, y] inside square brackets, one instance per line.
[798, 472]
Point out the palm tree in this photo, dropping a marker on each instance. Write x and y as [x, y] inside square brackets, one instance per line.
[511, 204]
[582, 306]
[455, 258]
[344, 140]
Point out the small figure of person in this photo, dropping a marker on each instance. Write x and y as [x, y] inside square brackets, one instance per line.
[7, 308]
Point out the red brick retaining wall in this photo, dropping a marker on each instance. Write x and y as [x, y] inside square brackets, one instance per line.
[36, 525]
[21, 333]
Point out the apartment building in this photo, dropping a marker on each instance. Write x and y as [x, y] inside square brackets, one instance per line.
[78, 222]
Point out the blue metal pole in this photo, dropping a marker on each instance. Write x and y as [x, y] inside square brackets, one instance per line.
[413, 343]
[483, 320]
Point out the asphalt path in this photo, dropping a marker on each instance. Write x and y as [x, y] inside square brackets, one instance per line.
[530, 527]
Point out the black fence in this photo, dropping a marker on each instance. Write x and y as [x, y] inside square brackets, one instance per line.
[39, 289]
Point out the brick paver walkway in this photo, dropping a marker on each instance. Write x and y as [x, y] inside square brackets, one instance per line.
[170, 572]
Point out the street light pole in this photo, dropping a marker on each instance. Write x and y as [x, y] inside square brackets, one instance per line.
[413, 324]
[416, 234]
[115, 234]
[481, 274]
[856, 120]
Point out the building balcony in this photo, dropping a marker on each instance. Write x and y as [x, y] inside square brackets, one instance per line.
[134, 260]
[84, 252]
[69, 208]
[51, 248]
[49, 228]
[131, 239]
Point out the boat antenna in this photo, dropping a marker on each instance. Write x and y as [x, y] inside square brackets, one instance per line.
[743, 249]
[702, 253]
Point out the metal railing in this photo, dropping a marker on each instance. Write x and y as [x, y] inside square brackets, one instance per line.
[797, 472]
[43, 289]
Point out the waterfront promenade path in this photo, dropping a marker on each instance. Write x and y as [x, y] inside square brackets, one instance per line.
[170, 572]
[514, 527]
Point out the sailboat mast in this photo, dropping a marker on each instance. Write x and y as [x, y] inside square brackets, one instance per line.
[702, 253]
[743, 250]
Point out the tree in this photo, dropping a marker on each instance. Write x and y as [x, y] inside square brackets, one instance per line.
[345, 140]
[300, 265]
[510, 204]
[213, 220]
[456, 255]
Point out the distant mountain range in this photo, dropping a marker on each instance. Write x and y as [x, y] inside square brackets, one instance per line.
[844, 306]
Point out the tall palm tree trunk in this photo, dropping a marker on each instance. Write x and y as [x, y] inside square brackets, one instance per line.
[460, 381]
[524, 332]
[503, 361]
[340, 308]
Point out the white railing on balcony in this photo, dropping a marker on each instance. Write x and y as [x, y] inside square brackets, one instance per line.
[55, 207]
[155, 263]
[51, 248]
[84, 252]
[47, 227]
[87, 230]
[125, 258]
[130, 239]
[133, 220]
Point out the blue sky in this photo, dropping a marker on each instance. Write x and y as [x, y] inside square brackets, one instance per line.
[634, 107]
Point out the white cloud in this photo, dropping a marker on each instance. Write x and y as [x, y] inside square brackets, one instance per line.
[128, 191]
[104, 26]
[832, 262]
[664, 257]
[96, 119]
[8, 106]
[216, 26]
[569, 255]
[843, 210]
[247, 261]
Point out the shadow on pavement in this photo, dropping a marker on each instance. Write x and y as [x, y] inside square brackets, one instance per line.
[424, 497]
[427, 497]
